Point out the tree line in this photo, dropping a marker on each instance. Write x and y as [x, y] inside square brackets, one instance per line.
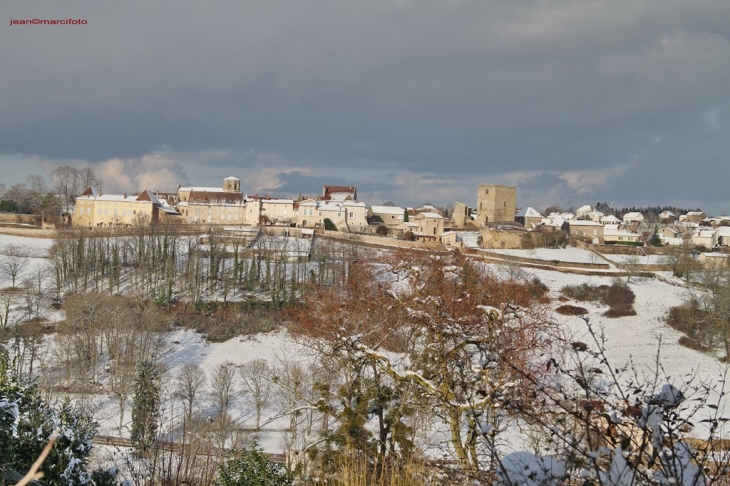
[48, 199]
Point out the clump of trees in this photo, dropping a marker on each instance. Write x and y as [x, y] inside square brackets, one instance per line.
[36, 196]
[704, 316]
[617, 296]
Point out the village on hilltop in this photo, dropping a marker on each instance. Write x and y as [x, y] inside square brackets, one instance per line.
[500, 223]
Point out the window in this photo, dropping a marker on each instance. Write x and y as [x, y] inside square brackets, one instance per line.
[106, 211]
[134, 212]
[352, 215]
[486, 191]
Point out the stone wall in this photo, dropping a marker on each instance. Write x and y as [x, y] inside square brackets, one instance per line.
[504, 240]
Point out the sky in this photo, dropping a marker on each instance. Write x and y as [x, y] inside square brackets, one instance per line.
[574, 102]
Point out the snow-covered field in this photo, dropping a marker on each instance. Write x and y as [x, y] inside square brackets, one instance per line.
[642, 259]
[568, 254]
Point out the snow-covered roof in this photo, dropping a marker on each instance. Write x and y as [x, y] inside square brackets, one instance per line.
[145, 196]
[430, 215]
[277, 201]
[330, 206]
[610, 219]
[168, 210]
[633, 215]
[671, 241]
[695, 213]
[349, 203]
[387, 210]
[554, 221]
[667, 214]
[231, 178]
[583, 222]
[705, 233]
[611, 231]
[528, 212]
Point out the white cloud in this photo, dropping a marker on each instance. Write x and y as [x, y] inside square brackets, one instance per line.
[154, 172]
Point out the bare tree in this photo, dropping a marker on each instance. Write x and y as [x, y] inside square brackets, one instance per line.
[7, 316]
[630, 266]
[66, 182]
[188, 385]
[223, 387]
[256, 376]
[88, 177]
[14, 261]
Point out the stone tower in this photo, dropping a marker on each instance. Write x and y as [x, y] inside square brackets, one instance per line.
[496, 203]
[231, 184]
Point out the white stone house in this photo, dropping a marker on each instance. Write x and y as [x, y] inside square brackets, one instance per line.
[633, 217]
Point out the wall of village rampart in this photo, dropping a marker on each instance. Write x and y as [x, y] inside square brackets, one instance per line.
[380, 242]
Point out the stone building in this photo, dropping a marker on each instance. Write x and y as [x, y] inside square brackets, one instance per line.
[461, 215]
[496, 203]
[95, 209]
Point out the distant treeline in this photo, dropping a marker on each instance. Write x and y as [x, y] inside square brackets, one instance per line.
[647, 211]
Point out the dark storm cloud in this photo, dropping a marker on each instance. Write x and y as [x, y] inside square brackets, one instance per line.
[604, 100]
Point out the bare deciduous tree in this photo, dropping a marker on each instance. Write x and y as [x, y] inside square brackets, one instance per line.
[223, 386]
[13, 261]
[256, 377]
[188, 385]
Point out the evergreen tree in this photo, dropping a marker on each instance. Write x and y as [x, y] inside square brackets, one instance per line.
[406, 219]
[654, 240]
[329, 225]
[146, 408]
[27, 423]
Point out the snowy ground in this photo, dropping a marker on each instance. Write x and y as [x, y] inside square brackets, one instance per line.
[644, 260]
[568, 254]
[633, 338]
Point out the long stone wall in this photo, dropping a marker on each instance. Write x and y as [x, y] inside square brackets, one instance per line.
[380, 242]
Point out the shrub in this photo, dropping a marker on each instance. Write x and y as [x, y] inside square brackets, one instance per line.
[252, 468]
[571, 310]
[382, 230]
[619, 297]
[329, 225]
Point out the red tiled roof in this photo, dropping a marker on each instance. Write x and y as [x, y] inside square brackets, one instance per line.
[233, 198]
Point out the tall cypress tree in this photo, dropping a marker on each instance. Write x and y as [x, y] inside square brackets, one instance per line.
[146, 408]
